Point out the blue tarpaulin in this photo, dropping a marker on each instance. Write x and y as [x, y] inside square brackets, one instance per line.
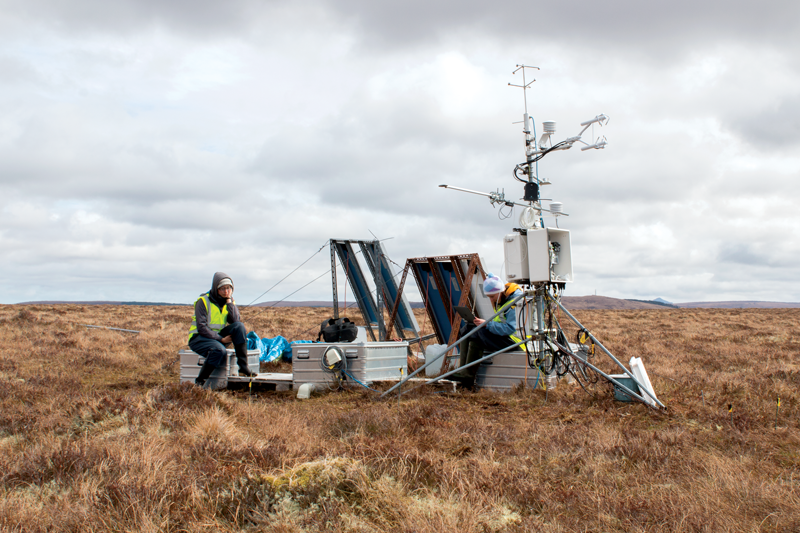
[271, 349]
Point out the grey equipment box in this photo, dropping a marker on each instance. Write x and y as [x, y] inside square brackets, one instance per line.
[366, 361]
[507, 370]
[191, 363]
[619, 394]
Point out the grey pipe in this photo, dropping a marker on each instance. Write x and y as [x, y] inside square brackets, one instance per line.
[597, 342]
[113, 329]
[469, 334]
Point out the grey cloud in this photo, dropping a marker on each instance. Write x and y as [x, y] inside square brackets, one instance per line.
[635, 28]
[772, 127]
[192, 16]
[643, 29]
[14, 71]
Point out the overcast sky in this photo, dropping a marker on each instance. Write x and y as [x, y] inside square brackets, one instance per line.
[146, 144]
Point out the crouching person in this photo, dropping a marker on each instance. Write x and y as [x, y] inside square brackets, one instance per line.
[496, 335]
[216, 323]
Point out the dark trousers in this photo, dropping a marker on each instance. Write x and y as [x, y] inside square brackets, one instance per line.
[473, 348]
[213, 350]
[486, 338]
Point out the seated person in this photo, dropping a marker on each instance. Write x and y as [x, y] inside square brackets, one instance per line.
[215, 324]
[496, 335]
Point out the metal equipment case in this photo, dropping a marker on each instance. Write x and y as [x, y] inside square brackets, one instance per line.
[366, 361]
[507, 370]
[191, 363]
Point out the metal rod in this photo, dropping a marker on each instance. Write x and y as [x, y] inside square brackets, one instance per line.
[420, 339]
[598, 343]
[334, 282]
[469, 334]
[476, 362]
[491, 195]
[397, 301]
[113, 329]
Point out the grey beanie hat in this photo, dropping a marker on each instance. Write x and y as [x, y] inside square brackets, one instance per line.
[223, 282]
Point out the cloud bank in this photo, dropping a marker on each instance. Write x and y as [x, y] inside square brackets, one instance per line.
[145, 145]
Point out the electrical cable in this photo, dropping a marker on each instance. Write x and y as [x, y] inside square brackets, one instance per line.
[575, 361]
[503, 216]
[516, 168]
[337, 369]
[357, 381]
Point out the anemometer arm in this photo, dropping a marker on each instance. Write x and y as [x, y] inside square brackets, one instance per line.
[541, 148]
[494, 197]
[497, 198]
[599, 119]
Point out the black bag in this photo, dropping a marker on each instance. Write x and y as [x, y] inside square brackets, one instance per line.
[337, 330]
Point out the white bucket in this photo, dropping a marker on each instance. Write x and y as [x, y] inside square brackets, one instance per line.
[436, 368]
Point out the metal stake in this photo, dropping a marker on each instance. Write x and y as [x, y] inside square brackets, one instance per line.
[401, 388]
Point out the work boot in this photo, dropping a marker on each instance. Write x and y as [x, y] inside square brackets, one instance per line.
[474, 353]
[205, 372]
[469, 353]
[241, 360]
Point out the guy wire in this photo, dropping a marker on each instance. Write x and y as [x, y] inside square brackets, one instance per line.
[287, 275]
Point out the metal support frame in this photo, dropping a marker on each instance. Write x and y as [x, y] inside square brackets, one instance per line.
[396, 306]
[438, 294]
[334, 282]
[355, 276]
[386, 290]
[466, 284]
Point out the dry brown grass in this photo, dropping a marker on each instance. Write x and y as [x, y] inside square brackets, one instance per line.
[97, 435]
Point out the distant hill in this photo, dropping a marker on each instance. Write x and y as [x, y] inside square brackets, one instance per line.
[93, 302]
[604, 302]
[740, 305]
[657, 301]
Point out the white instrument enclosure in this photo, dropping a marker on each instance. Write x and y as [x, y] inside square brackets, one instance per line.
[528, 257]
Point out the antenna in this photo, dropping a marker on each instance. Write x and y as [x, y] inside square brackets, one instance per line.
[524, 87]
[526, 172]
[532, 182]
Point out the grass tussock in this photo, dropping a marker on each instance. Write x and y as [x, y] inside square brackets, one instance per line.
[96, 434]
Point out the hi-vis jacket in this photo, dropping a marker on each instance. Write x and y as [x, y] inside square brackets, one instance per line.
[505, 324]
[217, 317]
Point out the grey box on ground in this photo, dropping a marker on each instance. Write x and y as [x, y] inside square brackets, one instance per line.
[367, 362]
[619, 394]
[191, 363]
[506, 371]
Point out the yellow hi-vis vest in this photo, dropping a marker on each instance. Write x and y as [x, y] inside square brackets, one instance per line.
[502, 318]
[217, 318]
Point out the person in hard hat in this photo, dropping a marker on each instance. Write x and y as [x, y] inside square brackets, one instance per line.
[215, 324]
[499, 333]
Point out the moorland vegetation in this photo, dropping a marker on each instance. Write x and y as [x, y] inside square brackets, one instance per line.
[96, 434]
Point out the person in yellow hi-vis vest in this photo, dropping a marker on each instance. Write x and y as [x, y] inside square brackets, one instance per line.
[215, 324]
[496, 335]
